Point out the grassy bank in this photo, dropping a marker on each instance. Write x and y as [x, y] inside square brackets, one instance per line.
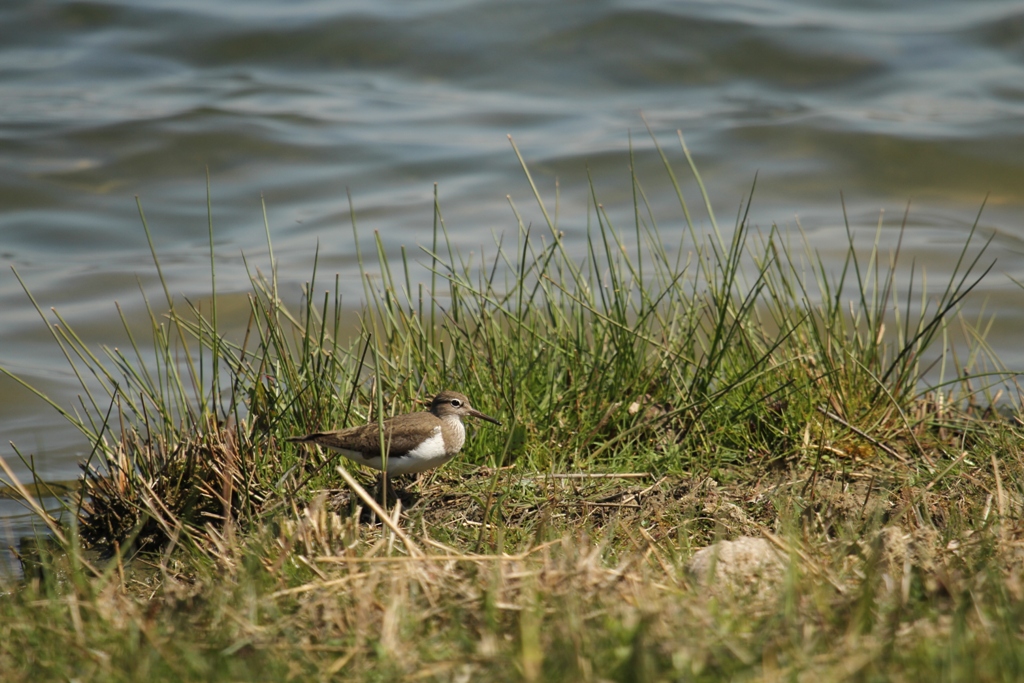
[671, 388]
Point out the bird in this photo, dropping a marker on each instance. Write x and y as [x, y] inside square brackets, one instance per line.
[414, 442]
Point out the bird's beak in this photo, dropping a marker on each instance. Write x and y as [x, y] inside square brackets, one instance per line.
[476, 413]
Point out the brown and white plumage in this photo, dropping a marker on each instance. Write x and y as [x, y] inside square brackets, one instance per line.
[414, 442]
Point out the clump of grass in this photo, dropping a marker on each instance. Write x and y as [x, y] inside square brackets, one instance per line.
[629, 356]
[658, 398]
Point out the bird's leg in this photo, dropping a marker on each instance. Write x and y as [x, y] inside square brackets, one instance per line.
[384, 491]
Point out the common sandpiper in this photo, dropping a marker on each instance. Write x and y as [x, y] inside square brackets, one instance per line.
[413, 442]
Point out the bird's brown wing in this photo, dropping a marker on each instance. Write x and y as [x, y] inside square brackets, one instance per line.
[399, 438]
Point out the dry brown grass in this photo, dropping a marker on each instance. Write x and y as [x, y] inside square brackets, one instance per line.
[900, 572]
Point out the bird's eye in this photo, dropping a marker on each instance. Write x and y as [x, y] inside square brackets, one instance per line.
[456, 403]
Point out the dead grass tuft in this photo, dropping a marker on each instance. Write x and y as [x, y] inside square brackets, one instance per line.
[152, 490]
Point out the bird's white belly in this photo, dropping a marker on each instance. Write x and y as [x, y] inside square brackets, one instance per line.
[429, 454]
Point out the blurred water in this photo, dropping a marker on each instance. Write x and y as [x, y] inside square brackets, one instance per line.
[918, 101]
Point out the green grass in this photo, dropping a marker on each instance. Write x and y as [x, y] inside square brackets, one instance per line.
[728, 385]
